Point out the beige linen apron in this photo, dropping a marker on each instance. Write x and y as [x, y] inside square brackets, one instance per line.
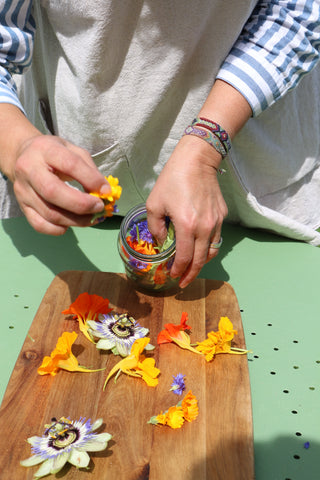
[123, 78]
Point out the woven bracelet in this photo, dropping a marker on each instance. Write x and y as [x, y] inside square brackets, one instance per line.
[214, 128]
[208, 137]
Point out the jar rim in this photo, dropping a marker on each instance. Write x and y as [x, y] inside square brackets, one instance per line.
[136, 211]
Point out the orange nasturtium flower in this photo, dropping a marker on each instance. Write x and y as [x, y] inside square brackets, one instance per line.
[176, 333]
[137, 365]
[175, 416]
[62, 357]
[220, 341]
[141, 246]
[87, 307]
[108, 199]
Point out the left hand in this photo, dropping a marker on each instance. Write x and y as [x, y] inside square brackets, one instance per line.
[188, 191]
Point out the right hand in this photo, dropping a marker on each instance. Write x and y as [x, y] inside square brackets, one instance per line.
[44, 163]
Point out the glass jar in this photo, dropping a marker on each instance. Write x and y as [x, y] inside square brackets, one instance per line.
[147, 271]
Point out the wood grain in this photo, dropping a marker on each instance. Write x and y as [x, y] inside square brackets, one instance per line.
[217, 445]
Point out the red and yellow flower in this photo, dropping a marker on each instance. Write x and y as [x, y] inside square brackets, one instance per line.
[177, 334]
[87, 307]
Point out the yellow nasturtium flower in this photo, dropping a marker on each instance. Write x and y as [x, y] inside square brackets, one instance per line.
[137, 365]
[220, 341]
[62, 358]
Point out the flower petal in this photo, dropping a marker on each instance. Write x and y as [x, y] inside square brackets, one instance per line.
[33, 440]
[97, 424]
[59, 462]
[96, 444]
[29, 462]
[105, 343]
[123, 349]
[45, 469]
[79, 459]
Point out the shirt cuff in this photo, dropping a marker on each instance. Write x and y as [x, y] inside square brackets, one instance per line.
[8, 91]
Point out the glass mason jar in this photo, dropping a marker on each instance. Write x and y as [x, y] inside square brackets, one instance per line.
[147, 271]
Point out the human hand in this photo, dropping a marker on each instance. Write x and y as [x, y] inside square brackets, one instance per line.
[44, 163]
[188, 191]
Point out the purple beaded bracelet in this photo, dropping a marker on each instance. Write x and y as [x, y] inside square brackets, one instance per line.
[214, 128]
[208, 137]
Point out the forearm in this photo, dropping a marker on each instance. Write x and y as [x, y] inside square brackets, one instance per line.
[227, 107]
[15, 131]
[224, 106]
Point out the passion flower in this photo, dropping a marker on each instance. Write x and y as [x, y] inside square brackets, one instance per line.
[65, 441]
[117, 332]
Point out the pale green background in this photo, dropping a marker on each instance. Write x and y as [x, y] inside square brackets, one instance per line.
[277, 285]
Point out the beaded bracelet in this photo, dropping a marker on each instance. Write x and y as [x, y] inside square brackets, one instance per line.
[214, 128]
[208, 137]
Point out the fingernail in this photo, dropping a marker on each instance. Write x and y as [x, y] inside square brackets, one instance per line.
[105, 189]
[98, 207]
[183, 284]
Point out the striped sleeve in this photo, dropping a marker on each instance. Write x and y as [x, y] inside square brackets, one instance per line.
[17, 30]
[278, 45]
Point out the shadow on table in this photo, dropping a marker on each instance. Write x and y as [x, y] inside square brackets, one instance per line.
[63, 252]
[284, 458]
[232, 235]
[57, 253]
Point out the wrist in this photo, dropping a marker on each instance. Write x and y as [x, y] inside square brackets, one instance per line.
[196, 149]
[15, 133]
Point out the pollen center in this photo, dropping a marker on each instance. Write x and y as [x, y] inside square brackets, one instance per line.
[123, 326]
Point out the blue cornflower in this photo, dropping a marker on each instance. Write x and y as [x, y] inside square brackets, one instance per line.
[178, 384]
[140, 231]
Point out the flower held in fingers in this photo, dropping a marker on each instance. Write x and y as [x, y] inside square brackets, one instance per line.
[109, 199]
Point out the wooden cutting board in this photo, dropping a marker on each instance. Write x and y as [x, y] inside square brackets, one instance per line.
[217, 445]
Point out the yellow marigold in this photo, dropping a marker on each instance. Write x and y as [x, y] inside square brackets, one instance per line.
[190, 407]
[175, 417]
[161, 418]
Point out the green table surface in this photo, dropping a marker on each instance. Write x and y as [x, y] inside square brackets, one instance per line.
[276, 281]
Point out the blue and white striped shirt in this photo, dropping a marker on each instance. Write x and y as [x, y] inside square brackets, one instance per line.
[278, 45]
